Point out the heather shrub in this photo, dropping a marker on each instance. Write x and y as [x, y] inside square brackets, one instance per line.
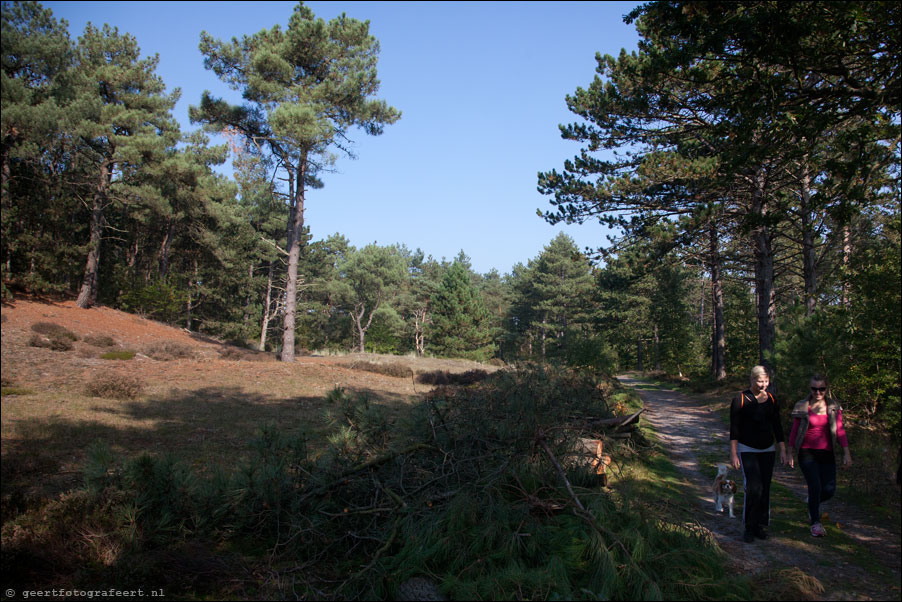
[396, 370]
[170, 351]
[247, 355]
[100, 340]
[114, 386]
[46, 342]
[443, 377]
[54, 331]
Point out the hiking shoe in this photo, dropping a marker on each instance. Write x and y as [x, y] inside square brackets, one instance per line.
[748, 536]
[817, 530]
[760, 533]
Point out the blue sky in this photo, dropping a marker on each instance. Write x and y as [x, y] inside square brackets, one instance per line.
[481, 88]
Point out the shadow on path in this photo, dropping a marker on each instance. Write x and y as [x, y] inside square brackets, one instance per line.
[696, 440]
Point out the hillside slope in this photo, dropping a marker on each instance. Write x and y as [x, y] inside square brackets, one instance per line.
[198, 398]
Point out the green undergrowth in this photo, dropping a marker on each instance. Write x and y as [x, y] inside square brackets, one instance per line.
[118, 355]
[480, 489]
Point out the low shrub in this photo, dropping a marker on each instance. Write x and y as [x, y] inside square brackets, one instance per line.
[395, 370]
[100, 340]
[114, 386]
[246, 355]
[54, 331]
[443, 377]
[14, 391]
[118, 355]
[76, 530]
[46, 342]
[170, 351]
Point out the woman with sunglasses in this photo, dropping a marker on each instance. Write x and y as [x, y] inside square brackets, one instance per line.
[816, 428]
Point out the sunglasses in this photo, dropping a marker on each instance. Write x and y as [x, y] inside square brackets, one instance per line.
[819, 389]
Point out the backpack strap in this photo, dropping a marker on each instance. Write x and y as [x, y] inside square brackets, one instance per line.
[742, 399]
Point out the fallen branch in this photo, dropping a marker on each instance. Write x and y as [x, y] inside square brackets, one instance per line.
[560, 471]
[367, 465]
[618, 421]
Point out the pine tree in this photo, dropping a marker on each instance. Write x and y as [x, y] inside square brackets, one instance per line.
[307, 87]
[562, 291]
[121, 120]
[460, 326]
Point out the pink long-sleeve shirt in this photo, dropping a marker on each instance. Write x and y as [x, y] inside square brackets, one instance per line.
[818, 434]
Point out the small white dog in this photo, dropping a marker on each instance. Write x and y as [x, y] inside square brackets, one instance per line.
[724, 490]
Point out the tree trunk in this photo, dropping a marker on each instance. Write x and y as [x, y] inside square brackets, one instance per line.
[809, 254]
[361, 329]
[264, 326]
[165, 248]
[701, 304]
[295, 239]
[419, 319]
[846, 256]
[657, 350]
[718, 348]
[639, 365]
[764, 277]
[192, 282]
[87, 296]
[544, 333]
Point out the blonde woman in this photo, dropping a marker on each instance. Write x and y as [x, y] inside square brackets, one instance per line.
[816, 430]
[755, 434]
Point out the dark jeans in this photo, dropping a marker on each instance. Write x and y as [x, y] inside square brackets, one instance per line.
[757, 470]
[819, 468]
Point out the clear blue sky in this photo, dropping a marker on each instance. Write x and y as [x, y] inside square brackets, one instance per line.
[481, 87]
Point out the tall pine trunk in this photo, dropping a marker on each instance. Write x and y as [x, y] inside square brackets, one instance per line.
[846, 256]
[764, 275]
[264, 325]
[718, 347]
[809, 254]
[295, 239]
[166, 247]
[657, 350]
[87, 296]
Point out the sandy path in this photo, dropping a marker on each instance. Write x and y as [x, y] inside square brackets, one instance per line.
[692, 434]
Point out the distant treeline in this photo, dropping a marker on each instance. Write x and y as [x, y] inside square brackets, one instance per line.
[755, 190]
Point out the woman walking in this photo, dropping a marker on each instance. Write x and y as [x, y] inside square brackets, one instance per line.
[816, 428]
[754, 429]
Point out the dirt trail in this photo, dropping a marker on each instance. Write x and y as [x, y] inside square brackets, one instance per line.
[693, 434]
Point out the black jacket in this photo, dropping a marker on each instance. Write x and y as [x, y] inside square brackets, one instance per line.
[755, 424]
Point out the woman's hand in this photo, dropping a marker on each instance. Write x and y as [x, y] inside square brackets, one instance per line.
[734, 461]
[846, 458]
[785, 456]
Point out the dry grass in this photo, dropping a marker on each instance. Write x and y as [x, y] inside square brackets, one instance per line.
[790, 584]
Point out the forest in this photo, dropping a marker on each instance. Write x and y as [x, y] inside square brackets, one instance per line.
[746, 157]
